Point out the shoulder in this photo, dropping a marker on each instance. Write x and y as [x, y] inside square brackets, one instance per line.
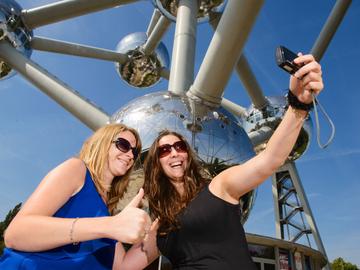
[74, 164]
[72, 169]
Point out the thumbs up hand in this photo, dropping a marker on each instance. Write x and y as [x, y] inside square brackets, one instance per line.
[131, 224]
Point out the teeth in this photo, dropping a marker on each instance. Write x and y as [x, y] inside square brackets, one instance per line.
[122, 161]
[175, 164]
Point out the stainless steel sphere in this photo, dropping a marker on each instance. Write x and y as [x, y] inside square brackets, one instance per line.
[169, 8]
[13, 30]
[271, 117]
[214, 134]
[141, 70]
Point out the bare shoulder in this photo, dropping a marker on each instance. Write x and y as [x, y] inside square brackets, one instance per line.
[56, 188]
[71, 171]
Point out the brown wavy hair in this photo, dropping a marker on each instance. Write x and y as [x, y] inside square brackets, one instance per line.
[164, 201]
[94, 153]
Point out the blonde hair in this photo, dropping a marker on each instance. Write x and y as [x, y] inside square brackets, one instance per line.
[94, 153]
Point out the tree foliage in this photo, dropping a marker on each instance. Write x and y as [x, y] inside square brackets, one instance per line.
[4, 224]
[340, 264]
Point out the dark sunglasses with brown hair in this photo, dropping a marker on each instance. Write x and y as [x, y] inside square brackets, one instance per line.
[124, 146]
[165, 149]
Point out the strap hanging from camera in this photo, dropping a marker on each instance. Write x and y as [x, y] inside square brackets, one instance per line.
[317, 103]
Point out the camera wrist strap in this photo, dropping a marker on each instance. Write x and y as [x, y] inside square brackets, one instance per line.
[315, 103]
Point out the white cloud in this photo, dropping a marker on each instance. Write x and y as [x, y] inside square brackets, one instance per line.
[330, 155]
[346, 218]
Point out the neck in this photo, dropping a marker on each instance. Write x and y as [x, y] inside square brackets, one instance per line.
[107, 180]
[107, 187]
[179, 186]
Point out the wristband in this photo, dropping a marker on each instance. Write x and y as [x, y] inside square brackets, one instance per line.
[297, 104]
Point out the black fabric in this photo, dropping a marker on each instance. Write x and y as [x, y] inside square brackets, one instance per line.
[297, 104]
[210, 237]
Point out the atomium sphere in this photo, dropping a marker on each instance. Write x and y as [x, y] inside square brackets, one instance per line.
[215, 135]
[271, 117]
[141, 70]
[169, 8]
[13, 30]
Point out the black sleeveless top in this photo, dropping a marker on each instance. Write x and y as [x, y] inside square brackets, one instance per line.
[210, 237]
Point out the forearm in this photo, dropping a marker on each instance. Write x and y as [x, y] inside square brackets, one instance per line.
[38, 233]
[283, 140]
[137, 257]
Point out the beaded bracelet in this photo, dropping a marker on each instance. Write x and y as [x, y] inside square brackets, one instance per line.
[72, 232]
[297, 104]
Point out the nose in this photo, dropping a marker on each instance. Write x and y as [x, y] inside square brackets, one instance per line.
[173, 152]
[130, 154]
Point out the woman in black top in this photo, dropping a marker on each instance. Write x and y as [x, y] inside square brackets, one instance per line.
[198, 222]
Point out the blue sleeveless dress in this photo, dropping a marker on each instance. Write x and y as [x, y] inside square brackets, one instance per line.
[95, 254]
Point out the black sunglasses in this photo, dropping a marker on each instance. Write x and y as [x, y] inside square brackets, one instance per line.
[165, 149]
[124, 146]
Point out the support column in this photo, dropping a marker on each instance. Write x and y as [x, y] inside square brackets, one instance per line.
[290, 203]
[183, 55]
[68, 98]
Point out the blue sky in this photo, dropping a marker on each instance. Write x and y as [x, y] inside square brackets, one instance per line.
[37, 134]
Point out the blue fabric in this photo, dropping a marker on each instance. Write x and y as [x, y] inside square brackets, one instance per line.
[95, 254]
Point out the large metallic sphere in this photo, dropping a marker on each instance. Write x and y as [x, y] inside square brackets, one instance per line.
[214, 134]
[141, 70]
[271, 117]
[13, 31]
[169, 8]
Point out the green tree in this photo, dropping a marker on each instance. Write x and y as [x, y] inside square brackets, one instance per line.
[340, 264]
[4, 224]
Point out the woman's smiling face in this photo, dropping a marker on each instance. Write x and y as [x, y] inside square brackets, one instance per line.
[120, 162]
[173, 164]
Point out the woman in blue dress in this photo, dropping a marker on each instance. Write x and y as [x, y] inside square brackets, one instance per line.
[68, 222]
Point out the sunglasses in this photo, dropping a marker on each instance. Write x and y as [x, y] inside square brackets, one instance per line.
[124, 146]
[165, 149]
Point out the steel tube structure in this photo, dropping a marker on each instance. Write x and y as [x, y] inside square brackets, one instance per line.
[329, 29]
[221, 57]
[154, 19]
[260, 136]
[183, 54]
[57, 46]
[66, 9]
[250, 83]
[165, 73]
[244, 72]
[156, 35]
[233, 108]
[86, 112]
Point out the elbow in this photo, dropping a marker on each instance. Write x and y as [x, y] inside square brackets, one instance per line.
[9, 239]
[12, 238]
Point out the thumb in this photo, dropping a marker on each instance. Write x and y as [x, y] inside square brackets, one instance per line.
[155, 225]
[137, 199]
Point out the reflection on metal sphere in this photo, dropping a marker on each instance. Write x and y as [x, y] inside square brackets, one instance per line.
[271, 117]
[141, 70]
[169, 8]
[214, 134]
[13, 30]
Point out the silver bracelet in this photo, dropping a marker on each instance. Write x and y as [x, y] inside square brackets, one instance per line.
[72, 231]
